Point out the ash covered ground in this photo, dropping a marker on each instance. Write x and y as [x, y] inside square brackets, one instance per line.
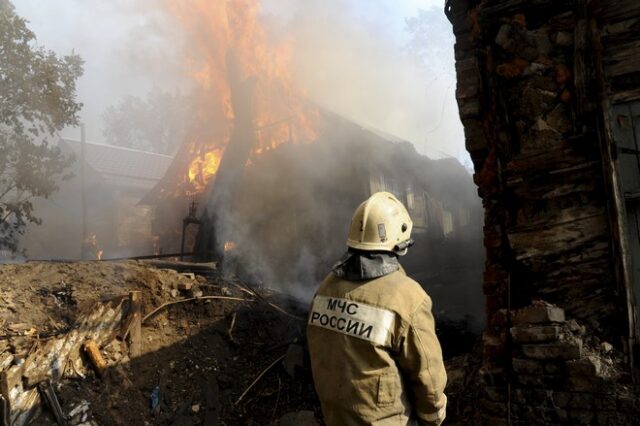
[206, 361]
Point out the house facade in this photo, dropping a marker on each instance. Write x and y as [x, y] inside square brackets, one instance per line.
[110, 222]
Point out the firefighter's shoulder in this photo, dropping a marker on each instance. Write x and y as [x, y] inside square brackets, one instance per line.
[402, 293]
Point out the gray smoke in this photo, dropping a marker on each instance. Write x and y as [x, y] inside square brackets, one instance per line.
[354, 58]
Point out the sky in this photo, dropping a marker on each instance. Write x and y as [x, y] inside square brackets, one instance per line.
[352, 57]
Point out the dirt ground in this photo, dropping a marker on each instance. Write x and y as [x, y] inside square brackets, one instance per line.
[204, 361]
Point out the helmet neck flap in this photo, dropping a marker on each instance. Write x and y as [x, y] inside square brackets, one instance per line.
[358, 265]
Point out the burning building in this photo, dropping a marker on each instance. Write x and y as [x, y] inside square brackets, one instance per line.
[287, 219]
[273, 179]
[548, 95]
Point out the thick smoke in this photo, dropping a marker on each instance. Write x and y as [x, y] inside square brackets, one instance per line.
[129, 47]
[356, 58]
[359, 60]
[350, 61]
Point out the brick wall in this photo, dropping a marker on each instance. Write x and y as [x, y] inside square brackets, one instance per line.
[531, 100]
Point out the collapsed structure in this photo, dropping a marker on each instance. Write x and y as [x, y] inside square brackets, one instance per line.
[549, 98]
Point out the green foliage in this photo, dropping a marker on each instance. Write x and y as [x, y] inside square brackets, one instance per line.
[37, 99]
[158, 123]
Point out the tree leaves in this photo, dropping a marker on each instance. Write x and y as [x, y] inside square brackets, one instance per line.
[37, 99]
[158, 123]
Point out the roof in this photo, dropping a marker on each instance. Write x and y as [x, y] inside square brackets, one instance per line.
[120, 166]
[433, 153]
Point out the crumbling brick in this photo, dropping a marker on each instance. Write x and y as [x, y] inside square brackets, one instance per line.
[539, 314]
[543, 333]
[493, 346]
[513, 68]
[553, 213]
[527, 366]
[583, 373]
[558, 350]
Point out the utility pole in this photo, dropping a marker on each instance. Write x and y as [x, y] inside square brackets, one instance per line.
[83, 193]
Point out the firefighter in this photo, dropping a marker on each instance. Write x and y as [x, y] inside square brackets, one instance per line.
[374, 353]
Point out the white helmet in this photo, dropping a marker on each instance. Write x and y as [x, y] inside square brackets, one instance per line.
[381, 223]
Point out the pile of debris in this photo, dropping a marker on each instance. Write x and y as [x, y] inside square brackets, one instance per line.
[166, 343]
[560, 373]
[97, 343]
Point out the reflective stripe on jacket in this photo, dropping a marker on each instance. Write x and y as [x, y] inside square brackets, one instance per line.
[374, 354]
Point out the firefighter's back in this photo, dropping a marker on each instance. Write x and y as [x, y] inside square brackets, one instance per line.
[355, 330]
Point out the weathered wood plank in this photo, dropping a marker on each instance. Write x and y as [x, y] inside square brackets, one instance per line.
[625, 96]
[50, 360]
[621, 51]
[557, 239]
[625, 66]
[135, 335]
[617, 10]
[627, 28]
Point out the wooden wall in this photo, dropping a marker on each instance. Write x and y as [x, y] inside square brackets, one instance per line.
[538, 85]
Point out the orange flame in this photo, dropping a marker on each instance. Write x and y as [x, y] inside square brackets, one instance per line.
[92, 242]
[215, 28]
[203, 167]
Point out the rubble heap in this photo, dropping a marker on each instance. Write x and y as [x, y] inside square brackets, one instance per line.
[208, 350]
[560, 374]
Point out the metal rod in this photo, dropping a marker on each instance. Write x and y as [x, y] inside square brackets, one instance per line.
[148, 256]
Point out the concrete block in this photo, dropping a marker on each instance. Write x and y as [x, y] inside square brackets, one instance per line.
[539, 314]
[558, 350]
[527, 366]
[542, 333]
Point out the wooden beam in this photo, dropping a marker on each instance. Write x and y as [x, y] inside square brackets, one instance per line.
[135, 333]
